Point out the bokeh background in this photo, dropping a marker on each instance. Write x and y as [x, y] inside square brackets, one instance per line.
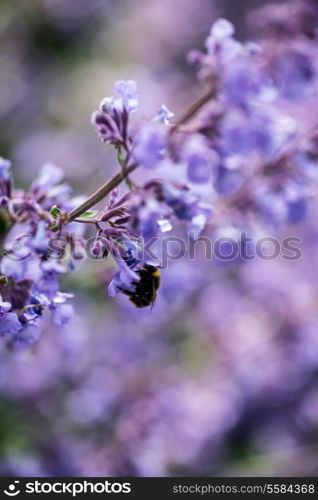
[221, 377]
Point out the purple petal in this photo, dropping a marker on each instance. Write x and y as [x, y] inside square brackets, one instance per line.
[9, 324]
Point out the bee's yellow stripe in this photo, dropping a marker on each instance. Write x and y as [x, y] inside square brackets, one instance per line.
[156, 273]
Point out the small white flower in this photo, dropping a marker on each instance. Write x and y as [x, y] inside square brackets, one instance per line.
[221, 29]
[164, 115]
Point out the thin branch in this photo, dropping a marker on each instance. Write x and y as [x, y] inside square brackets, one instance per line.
[100, 194]
[191, 112]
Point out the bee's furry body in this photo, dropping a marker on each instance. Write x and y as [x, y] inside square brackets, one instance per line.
[146, 288]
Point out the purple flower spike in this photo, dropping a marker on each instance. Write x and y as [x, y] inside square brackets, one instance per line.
[53, 267]
[125, 97]
[196, 226]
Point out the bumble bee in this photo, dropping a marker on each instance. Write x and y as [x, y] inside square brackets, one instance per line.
[146, 288]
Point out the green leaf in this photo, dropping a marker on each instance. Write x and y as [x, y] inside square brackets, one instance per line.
[54, 227]
[120, 157]
[55, 211]
[89, 214]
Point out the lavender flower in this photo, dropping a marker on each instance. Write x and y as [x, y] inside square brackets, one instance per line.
[9, 322]
[220, 42]
[124, 279]
[5, 167]
[125, 98]
[25, 337]
[292, 72]
[112, 119]
[164, 115]
[201, 161]
[149, 145]
[62, 314]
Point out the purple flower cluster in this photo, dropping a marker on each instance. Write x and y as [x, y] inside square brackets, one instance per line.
[244, 156]
[29, 269]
